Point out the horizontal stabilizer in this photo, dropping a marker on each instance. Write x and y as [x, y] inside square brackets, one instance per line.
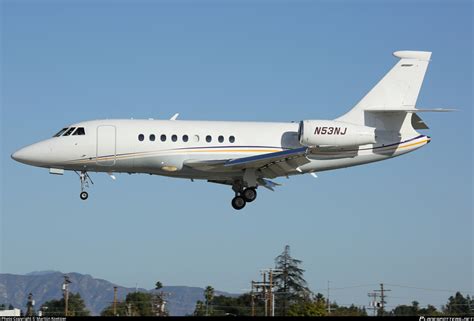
[411, 110]
[409, 54]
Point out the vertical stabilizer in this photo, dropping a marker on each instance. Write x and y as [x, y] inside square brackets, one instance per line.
[396, 92]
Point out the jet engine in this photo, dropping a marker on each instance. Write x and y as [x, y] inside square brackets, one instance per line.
[334, 133]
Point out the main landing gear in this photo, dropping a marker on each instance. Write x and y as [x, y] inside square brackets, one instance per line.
[85, 179]
[243, 196]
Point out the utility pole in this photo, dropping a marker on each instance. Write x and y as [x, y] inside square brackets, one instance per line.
[66, 294]
[162, 302]
[328, 301]
[252, 296]
[270, 293]
[373, 303]
[382, 298]
[115, 301]
[265, 292]
[30, 305]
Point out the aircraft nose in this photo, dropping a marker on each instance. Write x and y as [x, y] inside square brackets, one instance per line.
[16, 156]
[23, 155]
[32, 155]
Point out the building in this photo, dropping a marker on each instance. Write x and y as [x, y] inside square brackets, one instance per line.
[10, 313]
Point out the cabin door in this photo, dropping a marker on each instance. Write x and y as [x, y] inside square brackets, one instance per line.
[106, 145]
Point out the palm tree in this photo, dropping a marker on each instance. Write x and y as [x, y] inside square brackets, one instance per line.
[208, 295]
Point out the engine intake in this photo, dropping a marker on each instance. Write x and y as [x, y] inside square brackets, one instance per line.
[334, 133]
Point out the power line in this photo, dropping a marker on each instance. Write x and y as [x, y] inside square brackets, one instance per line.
[347, 287]
[428, 289]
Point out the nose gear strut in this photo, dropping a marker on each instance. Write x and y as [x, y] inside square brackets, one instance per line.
[85, 179]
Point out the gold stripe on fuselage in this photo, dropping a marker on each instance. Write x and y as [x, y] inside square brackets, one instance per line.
[161, 152]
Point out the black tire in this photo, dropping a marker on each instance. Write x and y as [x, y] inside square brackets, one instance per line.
[250, 194]
[84, 195]
[238, 202]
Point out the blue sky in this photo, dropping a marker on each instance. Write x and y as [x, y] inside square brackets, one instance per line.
[406, 221]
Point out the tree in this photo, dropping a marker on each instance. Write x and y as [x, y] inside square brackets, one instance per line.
[109, 311]
[415, 310]
[429, 311]
[352, 311]
[76, 307]
[291, 286]
[139, 304]
[238, 306]
[307, 307]
[208, 295]
[135, 304]
[199, 310]
[158, 285]
[406, 310]
[458, 305]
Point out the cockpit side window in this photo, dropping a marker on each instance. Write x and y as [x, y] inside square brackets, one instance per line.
[69, 131]
[59, 133]
[79, 131]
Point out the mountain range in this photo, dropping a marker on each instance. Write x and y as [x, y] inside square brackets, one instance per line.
[96, 293]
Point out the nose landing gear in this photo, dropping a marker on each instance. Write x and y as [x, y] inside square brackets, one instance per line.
[84, 178]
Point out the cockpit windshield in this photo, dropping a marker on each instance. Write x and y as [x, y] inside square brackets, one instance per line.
[69, 131]
[59, 133]
[79, 131]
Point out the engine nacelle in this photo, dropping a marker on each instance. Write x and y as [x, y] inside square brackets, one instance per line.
[334, 133]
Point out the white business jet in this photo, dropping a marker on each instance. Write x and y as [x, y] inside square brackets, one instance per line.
[246, 155]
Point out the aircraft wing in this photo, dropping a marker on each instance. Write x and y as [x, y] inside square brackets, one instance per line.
[271, 164]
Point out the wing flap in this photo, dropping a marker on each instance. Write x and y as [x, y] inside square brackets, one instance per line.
[259, 161]
[271, 164]
[205, 165]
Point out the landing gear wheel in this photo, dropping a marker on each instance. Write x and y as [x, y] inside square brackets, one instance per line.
[238, 202]
[250, 194]
[84, 196]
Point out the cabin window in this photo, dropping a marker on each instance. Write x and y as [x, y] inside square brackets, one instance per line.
[174, 138]
[208, 138]
[231, 139]
[163, 138]
[60, 132]
[221, 139]
[152, 137]
[185, 138]
[141, 137]
[196, 138]
[69, 131]
[79, 131]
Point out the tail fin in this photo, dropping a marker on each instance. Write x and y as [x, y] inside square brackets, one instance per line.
[388, 104]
